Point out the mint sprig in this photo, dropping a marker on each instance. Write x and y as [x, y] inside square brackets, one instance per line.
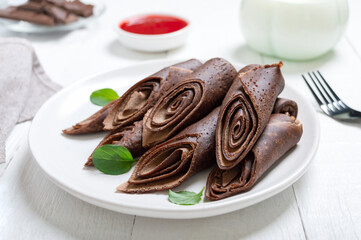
[113, 159]
[103, 96]
[185, 197]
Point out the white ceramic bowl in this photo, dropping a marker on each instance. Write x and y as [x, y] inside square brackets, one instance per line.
[154, 42]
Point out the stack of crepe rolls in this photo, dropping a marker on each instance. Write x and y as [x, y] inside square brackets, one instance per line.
[282, 132]
[255, 128]
[171, 90]
[123, 116]
[190, 116]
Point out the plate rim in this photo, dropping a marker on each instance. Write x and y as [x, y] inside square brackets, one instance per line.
[178, 212]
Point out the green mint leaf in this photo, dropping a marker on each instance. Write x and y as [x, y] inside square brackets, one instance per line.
[112, 159]
[103, 96]
[185, 197]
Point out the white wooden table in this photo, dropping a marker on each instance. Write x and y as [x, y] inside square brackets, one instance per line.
[324, 204]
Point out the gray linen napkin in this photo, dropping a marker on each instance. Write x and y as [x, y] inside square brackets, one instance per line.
[24, 86]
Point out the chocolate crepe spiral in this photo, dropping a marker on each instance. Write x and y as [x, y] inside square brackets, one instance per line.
[281, 134]
[168, 164]
[188, 102]
[136, 101]
[92, 124]
[129, 137]
[245, 112]
[286, 106]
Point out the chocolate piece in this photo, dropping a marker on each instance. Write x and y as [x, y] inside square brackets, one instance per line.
[79, 8]
[129, 137]
[143, 95]
[92, 124]
[281, 134]
[245, 112]
[29, 16]
[76, 7]
[169, 164]
[32, 6]
[60, 15]
[188, 101]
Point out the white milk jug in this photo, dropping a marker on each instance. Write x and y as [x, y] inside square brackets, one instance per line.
[293, 29]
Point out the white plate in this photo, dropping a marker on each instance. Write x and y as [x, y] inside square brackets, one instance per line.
[62, 157]
[26, 27]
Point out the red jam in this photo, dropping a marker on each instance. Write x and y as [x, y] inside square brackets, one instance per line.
[152, 24]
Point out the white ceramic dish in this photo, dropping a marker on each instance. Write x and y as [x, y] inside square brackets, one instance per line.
[26, 27]
[62, 157]
[153, 43]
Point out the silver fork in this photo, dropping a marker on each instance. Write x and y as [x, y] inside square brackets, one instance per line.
[328, 100]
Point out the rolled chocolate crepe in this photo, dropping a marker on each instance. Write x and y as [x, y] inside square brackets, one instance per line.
[169, 164]
[245, 112]
[29, 16]
[143, 95]
[92, 124]
[129, 137]
[135, 102]
[281, 134]
[286, 106]
[188, 101]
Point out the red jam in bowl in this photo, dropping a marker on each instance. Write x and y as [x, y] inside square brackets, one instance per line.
[152, 24]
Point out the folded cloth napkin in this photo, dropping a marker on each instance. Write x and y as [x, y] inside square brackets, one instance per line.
[24, 86]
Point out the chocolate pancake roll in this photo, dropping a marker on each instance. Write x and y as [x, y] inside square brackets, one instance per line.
[92, 124]
[188, 102]
[286, 106]
[135, 102]
[129, 137]
[169, 164]
[245, 112]
[143, 95]
[281, 134]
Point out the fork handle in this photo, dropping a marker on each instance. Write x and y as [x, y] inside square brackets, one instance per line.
[355, 114]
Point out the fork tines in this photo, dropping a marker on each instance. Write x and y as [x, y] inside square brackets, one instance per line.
[328, 100]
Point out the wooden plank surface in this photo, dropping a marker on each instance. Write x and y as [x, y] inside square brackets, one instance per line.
[353, 29]
[275, 218]
[32, 207]
[327, 194]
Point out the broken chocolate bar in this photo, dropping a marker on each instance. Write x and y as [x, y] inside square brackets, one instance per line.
[76, 7]
[60, 15]
[29, 16]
